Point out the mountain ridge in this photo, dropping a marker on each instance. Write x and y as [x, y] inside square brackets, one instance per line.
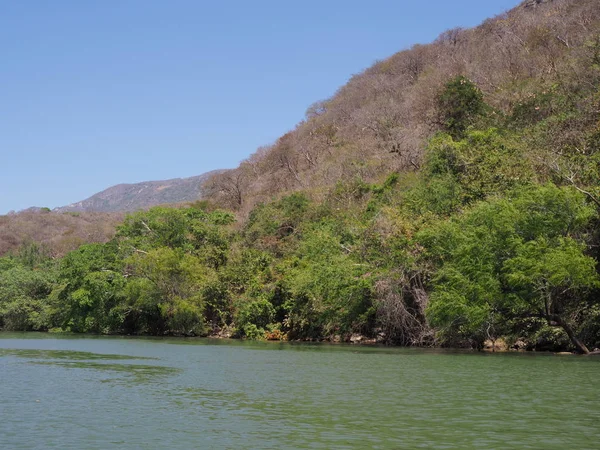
[127, 197]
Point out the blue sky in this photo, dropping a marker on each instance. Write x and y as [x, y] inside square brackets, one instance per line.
[96, 93]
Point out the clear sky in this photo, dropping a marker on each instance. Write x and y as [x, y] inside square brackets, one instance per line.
[96, 93]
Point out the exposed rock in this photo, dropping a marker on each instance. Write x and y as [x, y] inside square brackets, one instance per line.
[495, 346]
[222, 333]
[356, 338]
[381, 337]
[519, 345]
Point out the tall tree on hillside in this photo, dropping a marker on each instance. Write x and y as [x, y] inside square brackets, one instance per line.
[460, 103]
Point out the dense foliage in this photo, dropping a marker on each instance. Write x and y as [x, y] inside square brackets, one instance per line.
[494, 236]
[476, 246]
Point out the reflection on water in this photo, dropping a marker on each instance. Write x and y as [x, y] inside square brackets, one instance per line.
[102, 362]
[71, 393]
[140, 372]
[63, 354]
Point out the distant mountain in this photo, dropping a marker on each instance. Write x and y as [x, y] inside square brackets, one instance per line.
[131, 197]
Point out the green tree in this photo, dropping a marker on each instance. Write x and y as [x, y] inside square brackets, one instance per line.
[253, 316]
[459, 104]
[165, 294]
[24, 303]
[329, 291]
[192, 230]
[509, 259]
[482, 163]
[157, 227]
[274, 226]
[547, 278]
[92, 289]
[247, 292]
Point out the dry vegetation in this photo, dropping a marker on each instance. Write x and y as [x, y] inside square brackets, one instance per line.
[59, 232]
[380, 120]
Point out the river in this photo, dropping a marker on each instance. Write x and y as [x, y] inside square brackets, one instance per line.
[73, 392]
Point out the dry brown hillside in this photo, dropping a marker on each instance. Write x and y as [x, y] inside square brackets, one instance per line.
[379, 121]
[59, 232]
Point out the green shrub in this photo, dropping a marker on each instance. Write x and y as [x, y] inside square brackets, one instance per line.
[459, 104]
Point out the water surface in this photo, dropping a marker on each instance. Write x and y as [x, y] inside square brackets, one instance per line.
[72, 392]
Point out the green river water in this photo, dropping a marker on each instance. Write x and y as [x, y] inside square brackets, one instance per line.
[71, 392]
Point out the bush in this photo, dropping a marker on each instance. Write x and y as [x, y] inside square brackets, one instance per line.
[252, 317]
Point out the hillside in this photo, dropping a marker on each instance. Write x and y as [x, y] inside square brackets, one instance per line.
[380, 120]
[59, 233]
[132, 197]
[93, 220]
